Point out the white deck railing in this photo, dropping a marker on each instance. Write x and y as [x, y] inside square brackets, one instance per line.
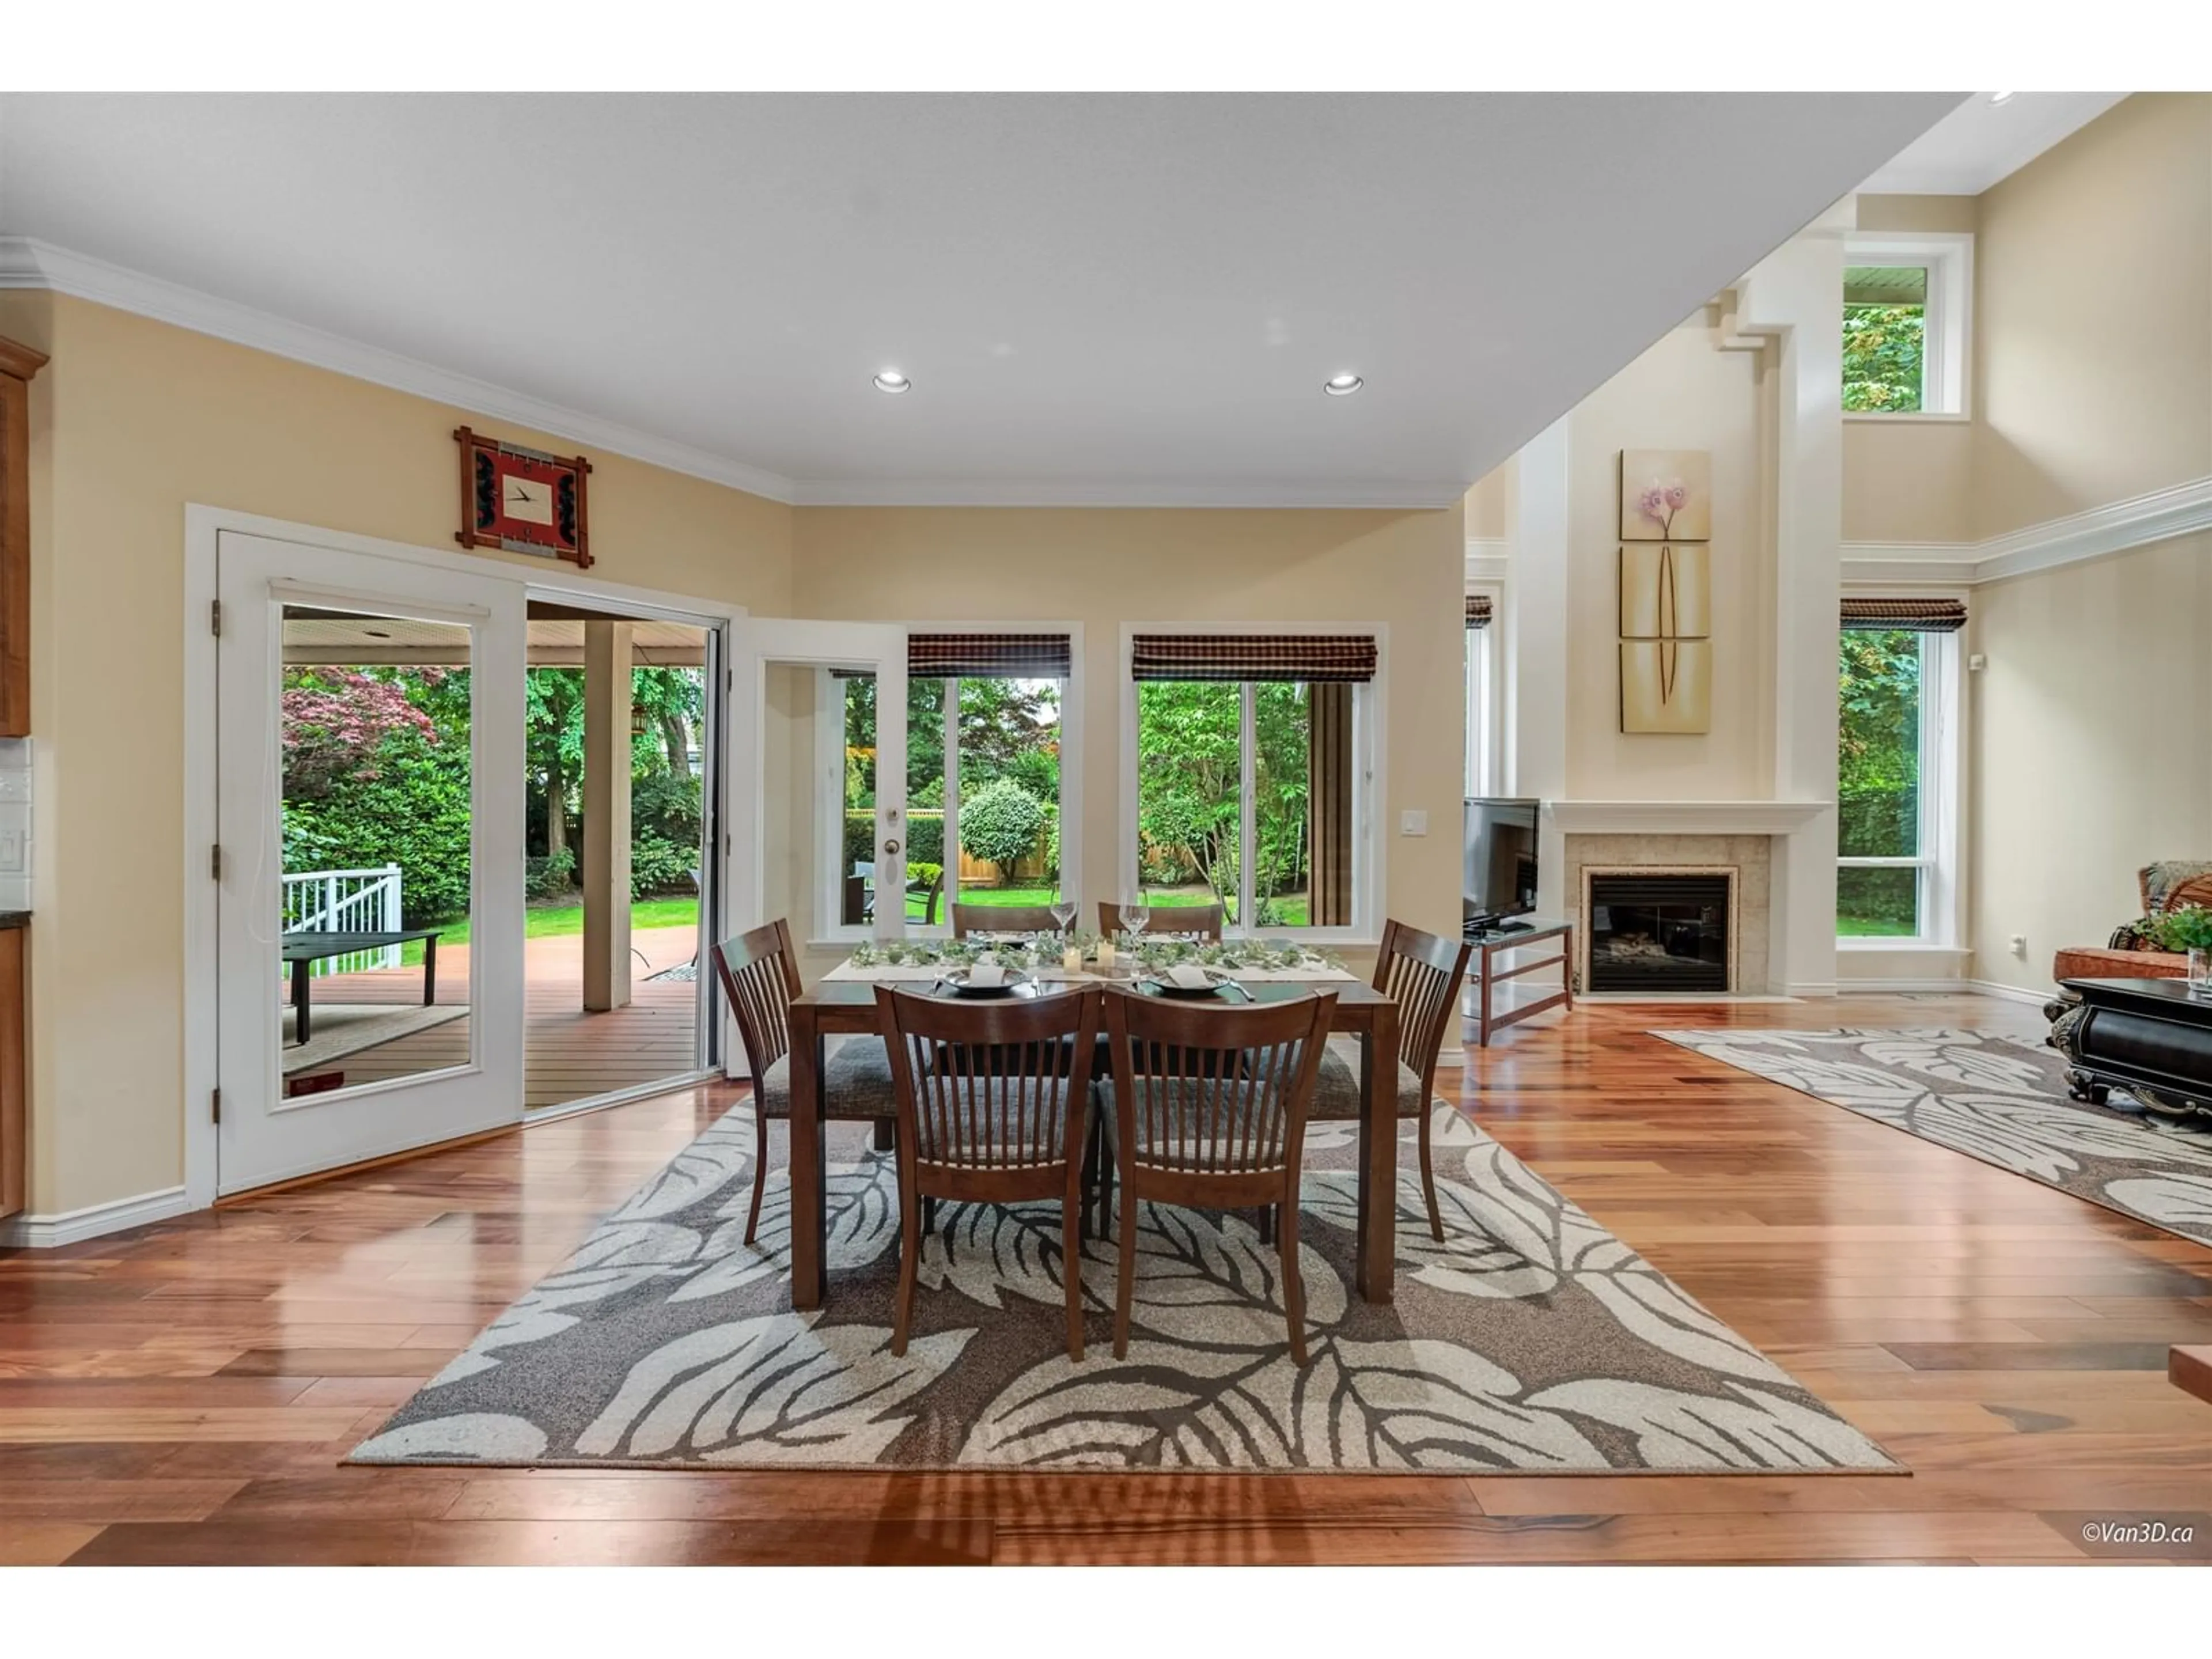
[345, 902]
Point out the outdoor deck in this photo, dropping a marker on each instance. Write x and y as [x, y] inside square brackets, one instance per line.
[568, 1054]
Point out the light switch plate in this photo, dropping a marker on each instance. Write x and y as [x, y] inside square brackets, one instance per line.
[1413, 822]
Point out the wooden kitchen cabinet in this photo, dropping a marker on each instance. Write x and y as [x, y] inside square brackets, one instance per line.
[18, 363]
[15, 1083]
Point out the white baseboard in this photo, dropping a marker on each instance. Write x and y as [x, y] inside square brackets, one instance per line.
[45, 1232]
[1989, 988]
[1850, 987]
[1825, 987]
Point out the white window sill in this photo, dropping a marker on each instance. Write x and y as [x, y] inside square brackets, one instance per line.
[1899, 945]
[1907, 417]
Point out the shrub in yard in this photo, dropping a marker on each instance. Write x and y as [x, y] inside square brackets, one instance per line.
[925, 837]
[1002, 824]
[413, 812]
[661, 866]
[553, 876]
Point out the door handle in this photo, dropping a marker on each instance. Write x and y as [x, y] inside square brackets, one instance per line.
[890, 850]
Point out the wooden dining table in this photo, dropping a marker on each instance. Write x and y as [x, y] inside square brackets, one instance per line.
[838, 1006]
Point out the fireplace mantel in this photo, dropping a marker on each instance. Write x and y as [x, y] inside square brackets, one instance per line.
[1682, 818]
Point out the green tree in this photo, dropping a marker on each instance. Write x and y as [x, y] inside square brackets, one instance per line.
[553, 706]
[1003, 823]
[1878, 775]
[1883, 348]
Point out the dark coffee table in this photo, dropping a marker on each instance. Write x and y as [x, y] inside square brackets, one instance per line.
[2148, 1037]
[302, 949]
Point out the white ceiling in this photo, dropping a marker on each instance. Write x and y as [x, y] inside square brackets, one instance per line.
[1100, 298]
[1980, 142]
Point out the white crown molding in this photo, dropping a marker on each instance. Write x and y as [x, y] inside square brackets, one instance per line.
[45, 1232]
[1077, 493]
[26, 263]
[2156, 516]
[1682, 818]
[1488, 558]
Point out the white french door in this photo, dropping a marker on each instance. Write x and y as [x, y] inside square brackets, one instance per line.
[818, 756]
[412, 1033]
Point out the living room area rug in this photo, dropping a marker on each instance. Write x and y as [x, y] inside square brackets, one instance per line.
[1532, 1340]
[1996, 1098]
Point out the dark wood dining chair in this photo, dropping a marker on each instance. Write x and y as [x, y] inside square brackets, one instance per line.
[1002, 918]
[1422, 973]
[759, 972]
[994, 1103]
[1203, 919]
[1208, 1105]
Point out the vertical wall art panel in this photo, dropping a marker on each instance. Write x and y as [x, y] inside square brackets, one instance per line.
[1665, 592]
[1666, 495]
[1666, 686]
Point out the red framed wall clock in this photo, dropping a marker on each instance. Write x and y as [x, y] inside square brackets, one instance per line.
[522, 500]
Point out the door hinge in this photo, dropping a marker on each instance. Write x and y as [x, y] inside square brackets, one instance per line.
[214, 862]
[215, 617]
[215, 1105]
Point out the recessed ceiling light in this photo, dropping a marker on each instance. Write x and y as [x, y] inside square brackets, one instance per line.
[891, 381]
[2001, 98]
[1342, 386]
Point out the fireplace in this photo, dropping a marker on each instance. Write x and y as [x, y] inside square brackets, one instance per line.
[1659, 930]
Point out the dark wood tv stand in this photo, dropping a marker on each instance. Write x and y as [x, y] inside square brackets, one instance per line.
[1485, 974]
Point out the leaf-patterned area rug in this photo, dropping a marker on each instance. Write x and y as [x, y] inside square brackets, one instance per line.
[1992, 1097]
[1532, 1340]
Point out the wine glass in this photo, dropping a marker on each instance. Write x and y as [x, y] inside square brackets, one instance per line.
[1063, 911]
[1136, 913]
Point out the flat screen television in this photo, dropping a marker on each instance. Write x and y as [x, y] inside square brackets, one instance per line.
[1499, 878]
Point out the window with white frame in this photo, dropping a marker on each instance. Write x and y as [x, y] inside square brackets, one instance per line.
[1250, 777]
[1907, 301]
[1896, 769]
[984, 786]
[1482, 699]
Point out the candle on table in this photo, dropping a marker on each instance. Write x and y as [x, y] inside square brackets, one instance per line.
[1071, 959]
[1105, 954]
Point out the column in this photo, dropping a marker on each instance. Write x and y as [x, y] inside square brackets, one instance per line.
[606, 815]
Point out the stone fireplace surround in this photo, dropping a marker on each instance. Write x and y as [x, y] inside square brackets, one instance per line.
[1745, 837]
[1745, 857]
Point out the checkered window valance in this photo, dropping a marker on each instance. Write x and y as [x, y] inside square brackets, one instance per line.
[1914, 616]
[1478, 611]
[1341, 658]
[983, 656]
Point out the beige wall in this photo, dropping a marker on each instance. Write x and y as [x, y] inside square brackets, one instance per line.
[2092, 756]
[1684, 393]
[2093, 356]
[1919, 213]
[1485, 506]
[134, 419]
[1907, 480]
[1105, 569]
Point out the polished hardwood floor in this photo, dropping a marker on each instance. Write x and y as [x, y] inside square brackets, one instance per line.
[183, 1393]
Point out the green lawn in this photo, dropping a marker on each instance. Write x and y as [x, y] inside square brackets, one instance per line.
[561, 921]
[1872, 927]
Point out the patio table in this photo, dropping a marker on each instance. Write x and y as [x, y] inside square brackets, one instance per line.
[845, 1003]
[302, 948]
